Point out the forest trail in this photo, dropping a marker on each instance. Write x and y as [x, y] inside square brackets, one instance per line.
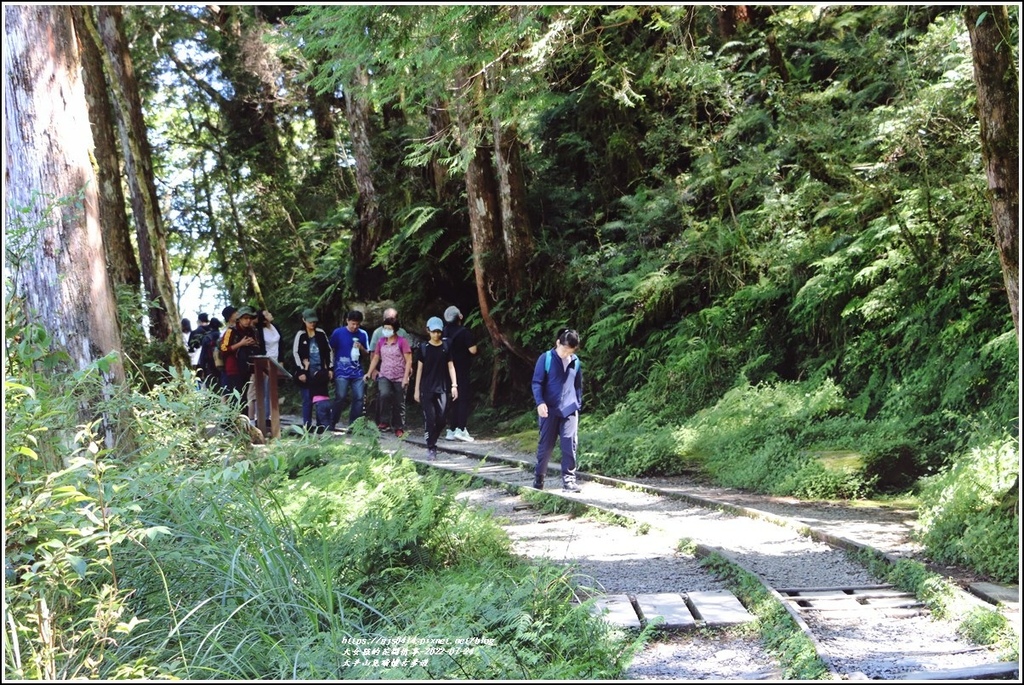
[788, 543]
[767, 541]
[849, 525]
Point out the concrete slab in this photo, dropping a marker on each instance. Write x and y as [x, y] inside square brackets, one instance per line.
[993, 592]
[718, 608]
[1004, 670]
[616, 610]
[668, 605]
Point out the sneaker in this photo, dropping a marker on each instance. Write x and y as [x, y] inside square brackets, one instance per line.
[570, 486]
[431, 453]
[450, 435]
[538, 483]
[383, 427]
[399, 432]
[463, 435]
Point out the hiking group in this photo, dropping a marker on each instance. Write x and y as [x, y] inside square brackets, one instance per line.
[387, 366]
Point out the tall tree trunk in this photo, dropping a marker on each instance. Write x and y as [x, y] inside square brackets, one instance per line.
[121, 261]
[439, 122]
[484, 213]
[46, 149]
[730, 18]
[156, 269]
[998, 99]
[370, 231]
[515, 228]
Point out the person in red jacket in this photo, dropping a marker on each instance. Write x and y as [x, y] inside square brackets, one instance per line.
[237, 346]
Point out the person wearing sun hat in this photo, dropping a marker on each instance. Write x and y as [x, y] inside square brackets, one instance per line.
[237, 347]
[435, 377]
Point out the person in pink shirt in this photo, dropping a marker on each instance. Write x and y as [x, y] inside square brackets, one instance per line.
[394, 356]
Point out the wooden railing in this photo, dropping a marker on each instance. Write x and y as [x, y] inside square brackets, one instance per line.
[272, 369]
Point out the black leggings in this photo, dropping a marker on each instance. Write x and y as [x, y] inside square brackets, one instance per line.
[434, 405]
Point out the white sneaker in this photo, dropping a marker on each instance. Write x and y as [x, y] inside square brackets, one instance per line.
[463, 435]
[450, 435]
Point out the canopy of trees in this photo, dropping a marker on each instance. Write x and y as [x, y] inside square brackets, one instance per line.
[715, 196]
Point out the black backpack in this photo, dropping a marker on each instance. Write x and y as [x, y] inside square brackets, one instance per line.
[195, 339]
[206, 360]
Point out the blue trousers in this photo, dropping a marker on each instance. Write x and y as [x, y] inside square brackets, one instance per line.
[323, 413]
[341, 388]
[307, 407]
[561, 430]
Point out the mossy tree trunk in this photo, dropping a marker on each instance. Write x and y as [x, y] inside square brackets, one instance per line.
[152, 242]
[998, 99]
[54, 243]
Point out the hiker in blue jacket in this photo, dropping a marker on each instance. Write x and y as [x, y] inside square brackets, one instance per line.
[558, 394]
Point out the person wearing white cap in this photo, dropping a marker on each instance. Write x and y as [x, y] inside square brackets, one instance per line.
[435, 375]
[460, 342]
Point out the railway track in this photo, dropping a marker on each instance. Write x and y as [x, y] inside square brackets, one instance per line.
[862, 628]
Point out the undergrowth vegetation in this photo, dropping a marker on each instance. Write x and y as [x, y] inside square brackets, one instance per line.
[797, 293]
[158, 543]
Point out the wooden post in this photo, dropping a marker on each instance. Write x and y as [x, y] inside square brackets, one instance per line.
[275, 410]
[261, 365]
[270, 369]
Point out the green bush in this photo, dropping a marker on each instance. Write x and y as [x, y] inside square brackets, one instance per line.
[526, 620]
[965, 515]
[769, 437]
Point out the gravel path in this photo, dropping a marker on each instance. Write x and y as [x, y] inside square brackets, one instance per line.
[615, 559]
[871, 644]
[611, 559]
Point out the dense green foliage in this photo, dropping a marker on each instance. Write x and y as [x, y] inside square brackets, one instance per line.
[181, 552]
[774, 241]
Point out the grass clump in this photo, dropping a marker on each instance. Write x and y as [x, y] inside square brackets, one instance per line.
[780, 634]
[504, 620]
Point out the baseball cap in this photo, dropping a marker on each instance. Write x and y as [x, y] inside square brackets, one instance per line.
[435, 324]
[309, 315]
[451, 314]
[246, 311]
[204, 317]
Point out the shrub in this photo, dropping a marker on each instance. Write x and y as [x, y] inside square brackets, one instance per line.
[505, 620]
[963, 516]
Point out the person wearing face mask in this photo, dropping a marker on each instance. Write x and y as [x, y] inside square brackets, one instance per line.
[349, 343]
[394, 355]
[372, 396]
